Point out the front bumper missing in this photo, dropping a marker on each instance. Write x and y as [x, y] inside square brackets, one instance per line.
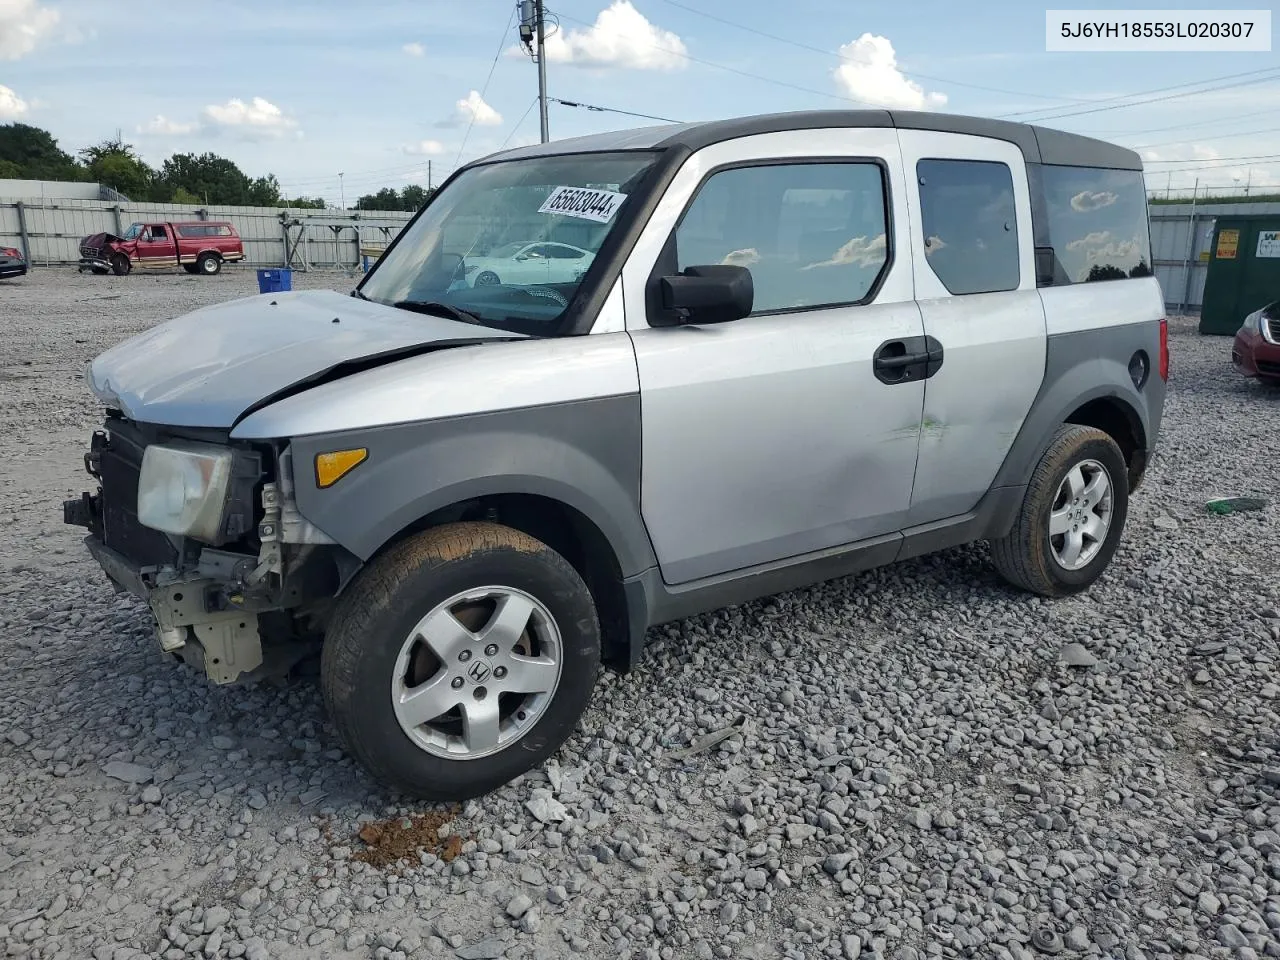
[229, 641]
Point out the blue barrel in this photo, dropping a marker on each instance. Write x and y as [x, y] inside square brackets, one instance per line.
[275, 281]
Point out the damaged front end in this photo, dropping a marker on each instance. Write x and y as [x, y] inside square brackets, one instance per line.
[238, 582]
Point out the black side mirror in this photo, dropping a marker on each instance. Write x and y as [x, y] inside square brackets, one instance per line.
[706, 294]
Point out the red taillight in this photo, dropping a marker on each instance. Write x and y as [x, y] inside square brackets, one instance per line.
[10, 252]
[1164, 349]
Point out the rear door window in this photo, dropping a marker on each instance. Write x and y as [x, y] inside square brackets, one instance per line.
[970, 224]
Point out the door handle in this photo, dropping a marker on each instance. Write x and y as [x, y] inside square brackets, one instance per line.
[900, 361]
[907, 360]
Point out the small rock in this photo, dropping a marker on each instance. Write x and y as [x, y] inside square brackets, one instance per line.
[1208, 903]
[216, 917]
[1201, 676]
[836, 862]
[18, 738]
[1212, 648]
[545, 808]
[531, 922]
[519, 906]
[1076, 655]
[1165, 523]
[1229, 935]
[128, 772]
[151, 795]
[484, 950]
[755, 879]
[1049, 711]
[922, 819]
[851, 946]
[1077, 939]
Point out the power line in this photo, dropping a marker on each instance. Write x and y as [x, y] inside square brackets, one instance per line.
[519, 123]
[742, 73]
[502, 42]
[628, 113]
[1223, 136]
[848, 59]
[1172, 96]
[1270, 111]
[1270, 156]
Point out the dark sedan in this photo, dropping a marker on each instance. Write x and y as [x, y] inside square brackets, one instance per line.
[12, 263]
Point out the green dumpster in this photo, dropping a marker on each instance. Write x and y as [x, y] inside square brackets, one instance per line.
[1244, 271]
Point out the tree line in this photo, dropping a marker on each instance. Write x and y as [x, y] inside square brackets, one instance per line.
[30, 153]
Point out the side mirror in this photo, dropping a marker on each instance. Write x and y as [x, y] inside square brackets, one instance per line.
[706, 294]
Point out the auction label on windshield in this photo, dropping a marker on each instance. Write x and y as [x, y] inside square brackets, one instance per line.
[1189, 31]
[583, 202]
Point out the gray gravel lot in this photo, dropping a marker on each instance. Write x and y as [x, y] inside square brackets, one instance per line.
[918, 774]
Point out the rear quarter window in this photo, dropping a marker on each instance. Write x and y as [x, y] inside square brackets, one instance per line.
[1097, 223]
[970, 224]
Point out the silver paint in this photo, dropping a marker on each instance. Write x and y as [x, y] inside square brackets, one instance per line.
[993, 343]
[770, 437]
[455, 383]
[204, 369]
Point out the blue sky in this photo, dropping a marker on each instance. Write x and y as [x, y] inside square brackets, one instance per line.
[305, 90]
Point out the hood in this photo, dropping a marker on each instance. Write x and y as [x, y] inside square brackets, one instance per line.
[99, 240]
[212, 366]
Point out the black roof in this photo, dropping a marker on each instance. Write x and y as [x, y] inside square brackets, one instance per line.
[1038, 144]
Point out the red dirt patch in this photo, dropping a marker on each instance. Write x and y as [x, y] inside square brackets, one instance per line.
[387, 842]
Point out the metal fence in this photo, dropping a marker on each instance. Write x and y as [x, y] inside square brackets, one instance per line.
[49, 232]
[1181, 236]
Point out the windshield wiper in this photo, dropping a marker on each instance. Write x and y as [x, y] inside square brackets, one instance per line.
[437, 309]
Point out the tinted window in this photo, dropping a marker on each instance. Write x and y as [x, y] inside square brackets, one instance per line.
[159, 233]
[1097, 223]
[811, 234]
[970, 224]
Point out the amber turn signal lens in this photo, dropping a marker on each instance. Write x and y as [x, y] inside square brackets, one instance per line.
[333, 466]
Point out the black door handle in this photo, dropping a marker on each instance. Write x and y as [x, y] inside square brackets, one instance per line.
[907, 360]
[900, 361]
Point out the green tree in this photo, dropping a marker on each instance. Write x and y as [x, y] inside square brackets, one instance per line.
[384, 199]
[214, 179]
[304, 203]
[415, 196]
[114, 163]
[10, 170]
[183, 195]
[36, 154]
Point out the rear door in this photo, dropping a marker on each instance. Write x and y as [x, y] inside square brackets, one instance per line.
[777, 436]
[975, 283]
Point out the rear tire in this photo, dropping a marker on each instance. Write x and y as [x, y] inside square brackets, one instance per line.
[1071, 518]
[207, 264]
[477, 620]
[120, 265]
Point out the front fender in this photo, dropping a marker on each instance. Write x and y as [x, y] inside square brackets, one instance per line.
[584, 454]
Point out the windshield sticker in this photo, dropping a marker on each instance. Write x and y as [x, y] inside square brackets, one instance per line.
[597, 205]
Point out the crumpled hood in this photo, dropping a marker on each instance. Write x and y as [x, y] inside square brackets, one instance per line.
[211, 366]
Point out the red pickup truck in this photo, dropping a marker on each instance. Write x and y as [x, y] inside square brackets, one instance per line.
[198, 246]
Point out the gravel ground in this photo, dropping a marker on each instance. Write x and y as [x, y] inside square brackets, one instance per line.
[913, 770]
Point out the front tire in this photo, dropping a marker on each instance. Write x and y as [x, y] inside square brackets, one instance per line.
[120, 265]
[461, 658]
[1071, 518]
[486, 278]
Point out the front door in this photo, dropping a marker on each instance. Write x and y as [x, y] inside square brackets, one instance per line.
[155, 247]
[777, 435]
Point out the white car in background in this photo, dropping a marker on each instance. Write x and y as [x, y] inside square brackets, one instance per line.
[528, 262]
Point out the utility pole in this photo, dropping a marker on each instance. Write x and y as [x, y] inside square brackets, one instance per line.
[428, 176]
[342, 193]
[533, 26]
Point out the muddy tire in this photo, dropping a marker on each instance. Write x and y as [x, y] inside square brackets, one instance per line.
[1072, 516]
[120, 265]
[459, 659]
[208, 264]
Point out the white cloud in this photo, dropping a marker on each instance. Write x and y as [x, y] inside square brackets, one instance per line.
[424, 148]
[473, 109]
[620, 37]
[23, 24]
[161, 125]
[414, 49]
[870, 74]
[258, 117]
[1087, 200]
[860, 251]
[1096, 239]
[11, 105]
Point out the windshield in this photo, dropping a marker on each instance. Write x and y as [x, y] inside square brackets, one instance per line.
[132, 232]
[509, 242]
